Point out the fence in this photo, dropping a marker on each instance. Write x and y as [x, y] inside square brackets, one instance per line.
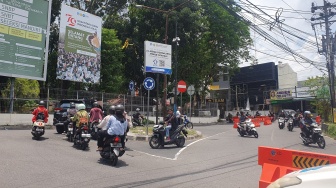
[131, 103]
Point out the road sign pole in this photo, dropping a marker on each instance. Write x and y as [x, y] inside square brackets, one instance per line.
[147, 113]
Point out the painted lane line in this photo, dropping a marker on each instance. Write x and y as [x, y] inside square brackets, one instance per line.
[153, 155]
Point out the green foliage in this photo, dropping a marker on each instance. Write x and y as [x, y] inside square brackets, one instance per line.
[332, 130]
[24, 88]
[319, 88]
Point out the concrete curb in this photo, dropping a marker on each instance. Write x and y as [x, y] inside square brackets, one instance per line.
[146, 138]
[21, 127]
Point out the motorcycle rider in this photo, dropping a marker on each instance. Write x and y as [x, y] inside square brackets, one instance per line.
[137, 117]
[80, 118]
[306, 122]
[282, 114]
[40, 113]
[96, 114]
[178, 114]
[70, 112]
[117, 125]
[242, 119]
[102, 125]
[171, 122]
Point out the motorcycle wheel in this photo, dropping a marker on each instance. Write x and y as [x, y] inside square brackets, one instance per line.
[60, 129]
[114, 160]
[321, 142]
[291, 128]
[241, 133]
[180, 142]
[154, 142]
[190, 125]
[83, 146]
[255, 134]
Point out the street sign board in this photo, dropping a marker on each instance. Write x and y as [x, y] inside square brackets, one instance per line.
[131, 85]
[149, 83]
[158, 57]
[181, 86]
[191, 90]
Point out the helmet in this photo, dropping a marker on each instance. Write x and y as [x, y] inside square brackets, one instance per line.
[298, 110]
[307, 114]
[112, 110]
[138, 109]
[95, 104]
[81, 107]
[72, 105]
[119, 109]
[41, 103]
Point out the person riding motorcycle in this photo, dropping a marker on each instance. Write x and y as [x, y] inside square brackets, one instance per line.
[171, 122]
[257, 113]
[70, 113]
[80, 118]
[282, 114]
[117, 125]
[102, 125]
[306, 122]
[137, 117]
[96, 114]
[40, 113]
[242, 119]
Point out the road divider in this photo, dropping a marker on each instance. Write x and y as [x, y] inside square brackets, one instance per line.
[278, 162]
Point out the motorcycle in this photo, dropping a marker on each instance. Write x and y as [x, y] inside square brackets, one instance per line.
[250, 129]
[187, 124]
[159, 132]
[315, 135]
[38, 129]
[290, 124]
[82, 137]
[137, 123]
[112, 149]
[94, 129]
[281, 122]
[69, 133]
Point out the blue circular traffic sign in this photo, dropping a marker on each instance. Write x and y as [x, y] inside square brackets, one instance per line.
[131, 85]
[149, 83]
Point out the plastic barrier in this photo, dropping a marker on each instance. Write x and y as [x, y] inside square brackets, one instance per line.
[235, 120]
[267, 121]
[318, 119]
[278, 162]
[256, 122]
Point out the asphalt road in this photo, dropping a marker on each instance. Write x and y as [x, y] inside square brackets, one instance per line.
[220, 159]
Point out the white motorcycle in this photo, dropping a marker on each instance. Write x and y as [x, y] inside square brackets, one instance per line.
[38, 129]
[250, 129]
[281, 122]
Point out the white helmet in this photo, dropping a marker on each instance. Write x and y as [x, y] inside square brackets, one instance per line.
[138, 109]
[81, 107]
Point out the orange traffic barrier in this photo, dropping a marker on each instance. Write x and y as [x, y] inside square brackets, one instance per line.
[267, 121]
[235, 120]
[256, 122]
[278, 162]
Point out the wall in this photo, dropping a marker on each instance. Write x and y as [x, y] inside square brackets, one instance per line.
[287, 77]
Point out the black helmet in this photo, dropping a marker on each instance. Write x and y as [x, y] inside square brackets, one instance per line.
[95, 104]
[72, 105]
[112, 110]
[119, 109]
[41, 103]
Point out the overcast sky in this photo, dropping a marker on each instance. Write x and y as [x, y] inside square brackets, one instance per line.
[297, 14]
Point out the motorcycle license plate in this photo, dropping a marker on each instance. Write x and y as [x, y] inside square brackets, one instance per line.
[39, 130]
[86, 136]
[70, 129]
[116, 146]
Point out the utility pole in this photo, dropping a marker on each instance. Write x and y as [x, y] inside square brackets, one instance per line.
[327, 45]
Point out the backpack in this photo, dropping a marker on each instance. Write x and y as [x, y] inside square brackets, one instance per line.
[40, 116]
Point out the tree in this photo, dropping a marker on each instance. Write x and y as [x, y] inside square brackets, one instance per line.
[319, 88]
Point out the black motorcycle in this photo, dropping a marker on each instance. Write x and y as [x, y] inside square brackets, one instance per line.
[82, 137]
[314, 136]
[94, 129]
[112, 149]
[69, 133]
[176, 137]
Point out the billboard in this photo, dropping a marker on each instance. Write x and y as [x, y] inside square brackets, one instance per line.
[79, 46]
[158, 57]
[24, 25]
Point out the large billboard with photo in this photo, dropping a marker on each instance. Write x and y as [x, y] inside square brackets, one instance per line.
[79, 46]
[24, 25]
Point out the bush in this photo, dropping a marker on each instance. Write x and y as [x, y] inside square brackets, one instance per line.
[332, 130]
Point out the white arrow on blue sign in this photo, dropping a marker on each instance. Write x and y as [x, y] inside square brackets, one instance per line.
[131, 85]
[149, 83]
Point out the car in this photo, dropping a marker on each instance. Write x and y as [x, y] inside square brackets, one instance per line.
[319, 176]
[60, 113]
[289, 112]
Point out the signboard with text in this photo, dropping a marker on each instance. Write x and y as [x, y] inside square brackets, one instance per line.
[24, 25]
[280, 94]
[158, 57]
[79, 48]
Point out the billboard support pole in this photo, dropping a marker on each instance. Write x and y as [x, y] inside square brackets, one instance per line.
[11, 95]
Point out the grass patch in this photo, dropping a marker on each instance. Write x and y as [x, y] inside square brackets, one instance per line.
[142, 131]
[331, 130]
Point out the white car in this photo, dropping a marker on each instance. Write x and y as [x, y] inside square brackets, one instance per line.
[320, 176]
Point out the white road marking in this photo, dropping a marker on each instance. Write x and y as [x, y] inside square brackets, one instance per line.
[181, 150]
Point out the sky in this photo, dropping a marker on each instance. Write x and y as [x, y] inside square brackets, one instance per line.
[297, 14]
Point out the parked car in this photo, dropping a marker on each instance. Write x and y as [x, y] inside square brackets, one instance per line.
[320, 176]
[60, 113]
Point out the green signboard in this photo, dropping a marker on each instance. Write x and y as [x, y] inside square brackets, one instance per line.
[24, 26]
